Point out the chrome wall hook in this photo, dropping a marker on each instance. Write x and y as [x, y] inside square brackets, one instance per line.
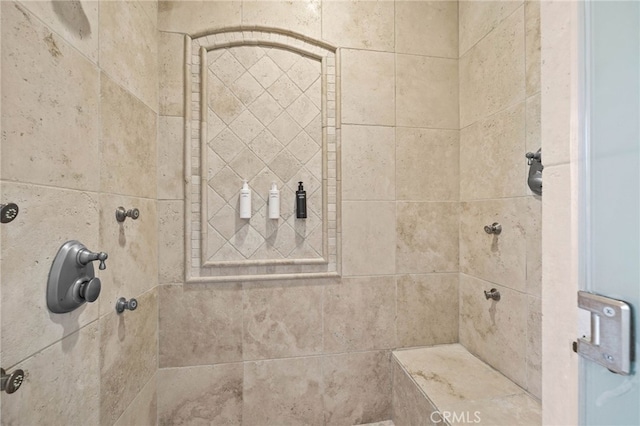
[123, 304]
[495, 228]
[122, 214]
[493, 294]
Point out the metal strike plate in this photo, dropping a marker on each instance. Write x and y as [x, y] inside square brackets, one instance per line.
[610, 342]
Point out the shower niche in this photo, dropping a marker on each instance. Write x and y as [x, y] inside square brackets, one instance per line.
[260, 106]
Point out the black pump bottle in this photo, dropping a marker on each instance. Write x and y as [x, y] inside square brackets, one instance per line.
[301, 202]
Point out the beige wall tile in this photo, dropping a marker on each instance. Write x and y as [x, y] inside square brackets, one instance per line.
[427, 309]
[534, 142]
[171, 73]
[128, 143]
[427, 237]
[368, 238]
[200, 395]
[205, 319]
[281, 320]
[496, 258]
[532, 45]
[133, 65]
[29, 246]
[494, 331]
[150, 7]
[410, 407]
[170, 158]
[61, 383]
[368, 92]
[359, 314]
[534, 246]
[287, 391]
[128, 347]
[427, 164]
[427, 92]
[492, 161]
[50, 136]
[559, 279]
[132, 266]
[427, 28]
[143, 410]
[193, 17]
[368, 163]
[559, 71]
[534, 346]
[302, 17]
[479, 17]
[357, 388]
[170, 242]
[76, 22]
[492, 73]
[359, 24]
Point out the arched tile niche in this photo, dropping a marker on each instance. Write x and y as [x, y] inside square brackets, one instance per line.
[261, 104]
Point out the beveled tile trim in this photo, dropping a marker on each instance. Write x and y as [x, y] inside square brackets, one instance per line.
[199, 269]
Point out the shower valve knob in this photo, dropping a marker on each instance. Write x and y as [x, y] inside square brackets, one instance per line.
[90, 290]
[11, 382]
[8, 212]
[123, 304]
[495, 228]
[122, 214]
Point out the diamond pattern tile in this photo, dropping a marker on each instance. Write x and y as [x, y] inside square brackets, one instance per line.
[302, 73]
[266, 146]
[227, 145]
[284, 128]
[283, 58]
[214, 163]
[247, 240]
[214, 124]
[265, 108]
[222, 101]
[226, 183]
[303, 147]
[264, 125]
[246, 88]
[285, 166]
[265, 71]
[246, 164]
[247, 55]
[226, 68]
[284, 91]
[303, 110]
[246, 126]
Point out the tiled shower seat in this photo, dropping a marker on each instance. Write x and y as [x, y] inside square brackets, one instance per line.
[435, 382]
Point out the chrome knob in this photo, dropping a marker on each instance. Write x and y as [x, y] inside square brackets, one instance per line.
[11, 382]
[122, 214]
[492, 294]
[90, 290]
[494, 228]
[123, 304]
[8, 212]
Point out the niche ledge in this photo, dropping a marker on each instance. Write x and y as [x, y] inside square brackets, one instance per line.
[261, 104]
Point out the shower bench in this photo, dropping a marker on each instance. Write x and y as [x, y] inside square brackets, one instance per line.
[446, 384]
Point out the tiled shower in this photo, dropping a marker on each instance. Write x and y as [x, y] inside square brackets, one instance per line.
[438, 104]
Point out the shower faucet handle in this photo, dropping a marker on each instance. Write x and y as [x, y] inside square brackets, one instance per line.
[85, 256]
[533, 156]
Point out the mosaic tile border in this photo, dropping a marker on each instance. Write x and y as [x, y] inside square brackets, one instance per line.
[196, 48]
